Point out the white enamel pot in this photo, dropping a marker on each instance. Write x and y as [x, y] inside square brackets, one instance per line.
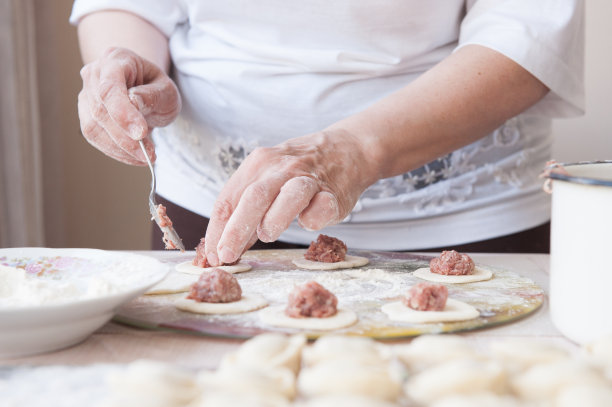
[581, 250]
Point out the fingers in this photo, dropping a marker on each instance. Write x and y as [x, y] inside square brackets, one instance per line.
[99, 138]
[250, 210]
[158, 102]
[293, 198]
[91, 97]
[113, 93]
[322, 211]
[110, 115]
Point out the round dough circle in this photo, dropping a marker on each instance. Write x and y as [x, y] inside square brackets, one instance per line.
[189, 268]
[453, 311]
[349, 262]
[479, 274]
[276, 316]
[247, 303]
[173, 283]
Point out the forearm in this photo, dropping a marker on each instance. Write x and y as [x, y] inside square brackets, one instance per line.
[457, 102]
[101, 30]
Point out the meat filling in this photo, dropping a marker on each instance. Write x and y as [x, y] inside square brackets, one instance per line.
[426, 297]
[200, 258]
[326, 249]
[311, 299]
[164, 220]
[452, 263]
[216, 286]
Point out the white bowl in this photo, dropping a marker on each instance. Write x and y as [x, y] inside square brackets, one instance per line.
[42, 325]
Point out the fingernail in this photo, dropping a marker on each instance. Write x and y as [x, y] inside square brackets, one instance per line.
[226, 255]
[212, 259]
[136, 100]
[136, 131]
[264, 236]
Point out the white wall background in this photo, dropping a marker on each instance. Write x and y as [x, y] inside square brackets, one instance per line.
[589, 137]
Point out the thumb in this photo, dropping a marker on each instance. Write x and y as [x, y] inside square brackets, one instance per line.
[158, 101]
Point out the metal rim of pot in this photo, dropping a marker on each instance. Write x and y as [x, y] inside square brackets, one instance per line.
[579, 180]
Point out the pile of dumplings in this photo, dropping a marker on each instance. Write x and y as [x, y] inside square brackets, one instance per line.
[274, 370]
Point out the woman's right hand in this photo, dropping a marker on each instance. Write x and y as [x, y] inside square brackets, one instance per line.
[124, 97]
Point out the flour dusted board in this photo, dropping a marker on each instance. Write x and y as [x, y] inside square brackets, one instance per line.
[506, 297]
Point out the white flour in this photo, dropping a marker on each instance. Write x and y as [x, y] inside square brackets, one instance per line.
[17, 289]
[81, 279]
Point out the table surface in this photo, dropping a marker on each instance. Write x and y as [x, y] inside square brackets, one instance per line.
[118, 344]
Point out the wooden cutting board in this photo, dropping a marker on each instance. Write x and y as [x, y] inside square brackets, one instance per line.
[507, 297]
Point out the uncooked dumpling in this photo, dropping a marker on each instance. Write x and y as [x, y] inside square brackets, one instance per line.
[352, 378]
[429, 350]
[229, 398]
[545, 381]
[479, 400]
[269, 350]
[341, 400]
[351, 348]
[151, 383]
[249, 380]
[463, 376]
[520, 354]
[585, 395]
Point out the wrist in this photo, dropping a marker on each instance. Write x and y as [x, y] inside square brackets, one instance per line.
[365, 151]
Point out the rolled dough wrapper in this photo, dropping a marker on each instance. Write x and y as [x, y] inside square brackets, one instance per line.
[275, 316]
[189, 268]
[248, 302]
[347, 263]
[453, 311]
[479, 274]
[173, 283]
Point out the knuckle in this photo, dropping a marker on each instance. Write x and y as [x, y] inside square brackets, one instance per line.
[85, 71]
[113, 52]
[88, 128]
[222, 210]
[98, 112]
[260, 154]
[256, 191]
[105, 87]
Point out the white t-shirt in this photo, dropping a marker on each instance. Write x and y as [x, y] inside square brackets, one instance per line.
[255, 73]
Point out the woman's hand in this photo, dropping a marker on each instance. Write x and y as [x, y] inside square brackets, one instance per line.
[317, 178]
[124, 97]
